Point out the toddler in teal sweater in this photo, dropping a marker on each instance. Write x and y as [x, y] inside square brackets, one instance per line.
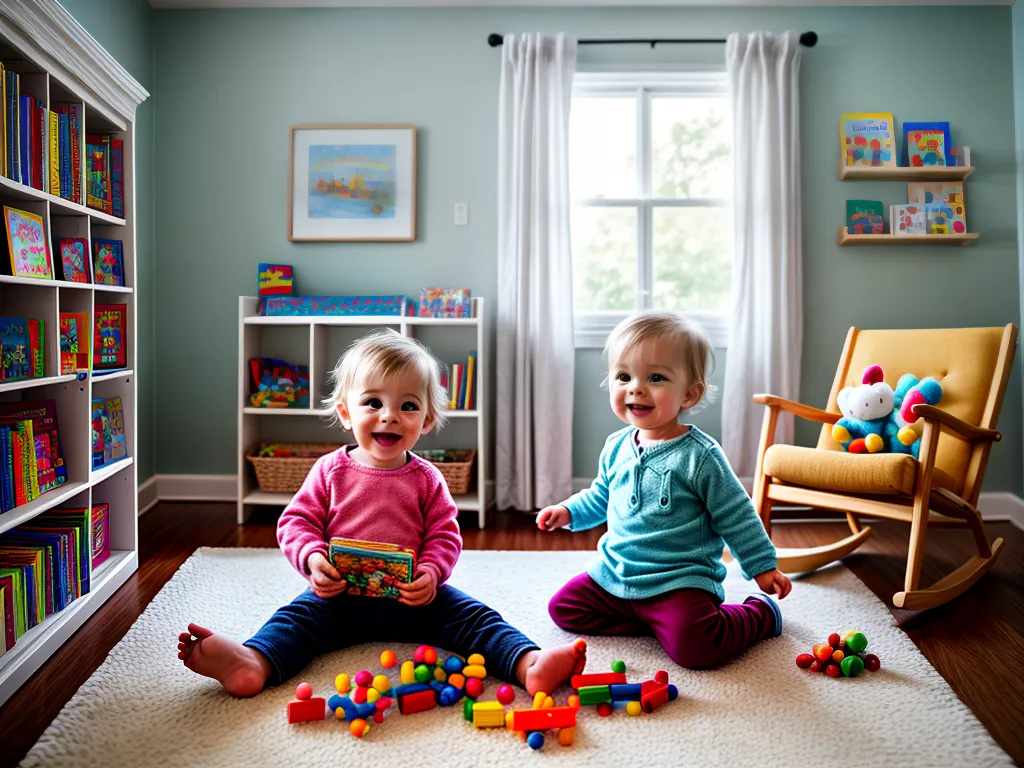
[671, 502]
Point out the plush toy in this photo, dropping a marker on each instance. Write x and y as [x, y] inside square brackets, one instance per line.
[876, 418]
[866, 410]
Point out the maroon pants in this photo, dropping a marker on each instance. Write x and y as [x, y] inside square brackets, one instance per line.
[694, 627]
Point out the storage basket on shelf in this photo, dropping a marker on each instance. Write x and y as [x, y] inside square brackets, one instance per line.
[281, 468]
[454, 465]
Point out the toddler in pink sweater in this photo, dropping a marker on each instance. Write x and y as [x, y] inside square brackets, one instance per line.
[387, 392]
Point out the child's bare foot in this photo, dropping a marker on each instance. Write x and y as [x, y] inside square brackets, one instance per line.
[547, 670]
[243, 671]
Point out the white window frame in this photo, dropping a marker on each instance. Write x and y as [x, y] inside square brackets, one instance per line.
[592, 328]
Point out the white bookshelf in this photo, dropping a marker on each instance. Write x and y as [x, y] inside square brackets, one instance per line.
[61, 63]
[317, 341]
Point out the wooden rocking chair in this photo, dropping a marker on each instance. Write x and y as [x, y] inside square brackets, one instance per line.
[941, 487]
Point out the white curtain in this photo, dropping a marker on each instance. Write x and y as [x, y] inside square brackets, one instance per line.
[536, 357]
[766, 333]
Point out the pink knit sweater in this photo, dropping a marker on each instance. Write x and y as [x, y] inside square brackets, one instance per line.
[409, 506]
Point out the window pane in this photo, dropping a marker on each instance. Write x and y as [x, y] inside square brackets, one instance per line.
[603, 258]
[693, 258]
[692, 144]
[602, 147]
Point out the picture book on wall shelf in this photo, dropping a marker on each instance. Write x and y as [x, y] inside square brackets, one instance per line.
[371, 568]
[27, 244]
[110, 343]
[107, 262]
[867, 139]
[864, 217]
[22, 348]
[927, 144]
[114, 448]
[74, 259]
[74, 342]
[950, 194]
[908, 219]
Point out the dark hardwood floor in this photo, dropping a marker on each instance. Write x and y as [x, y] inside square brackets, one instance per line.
[976, 642]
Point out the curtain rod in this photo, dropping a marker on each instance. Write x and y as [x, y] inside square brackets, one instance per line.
[807, 39]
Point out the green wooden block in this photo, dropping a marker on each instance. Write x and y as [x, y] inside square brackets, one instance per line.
[595, 694]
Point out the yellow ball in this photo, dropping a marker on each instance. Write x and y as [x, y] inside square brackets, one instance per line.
[475, 658]
[873, 443]
[342, 684]
[907, 436]
[359, 728]
[372, 694]
[633, 708]
[381, 683]
[840, 433]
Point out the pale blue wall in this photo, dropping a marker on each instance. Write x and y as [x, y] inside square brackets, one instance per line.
[231, 83]
[125, 29]
[1018, 113]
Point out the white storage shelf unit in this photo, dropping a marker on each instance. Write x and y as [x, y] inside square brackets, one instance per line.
[59, 63]
[317, 341]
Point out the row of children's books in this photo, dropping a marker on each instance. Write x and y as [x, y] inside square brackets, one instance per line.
[22, 348]
[107, 350]
[47, 563]
[868, 139]
[42, 148]
[108, 441]
[459, 383]
[931, 209]
[31, 460]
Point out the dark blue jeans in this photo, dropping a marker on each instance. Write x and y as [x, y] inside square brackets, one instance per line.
[310, 626]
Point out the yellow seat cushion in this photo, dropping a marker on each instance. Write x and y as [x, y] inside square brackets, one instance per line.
[841, 472]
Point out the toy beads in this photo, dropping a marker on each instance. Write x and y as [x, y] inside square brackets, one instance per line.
[303, 691]
[506, 695]
[388, 659]
[841, 656]
[342, 684]
[359, 728]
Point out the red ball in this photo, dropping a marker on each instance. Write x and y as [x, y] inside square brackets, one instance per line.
[420, 654]
[816, 666]
[429, 655]
[604, 709]
[822, 652]
[872, 663]
[834, 639]
[804, 660]
[661, 676]
[303, 691]
[474, 687]
[364, 678]
[833, 670]
[505, 693]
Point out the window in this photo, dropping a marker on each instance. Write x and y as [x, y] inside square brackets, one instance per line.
[650, 173]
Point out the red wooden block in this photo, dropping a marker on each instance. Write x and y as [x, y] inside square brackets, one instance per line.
[308, 711]
[542, 719]
[606, 678]
[421, 701]
[653, 695]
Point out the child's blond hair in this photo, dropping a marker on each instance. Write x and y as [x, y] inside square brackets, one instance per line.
[384, 353]
[690, 340]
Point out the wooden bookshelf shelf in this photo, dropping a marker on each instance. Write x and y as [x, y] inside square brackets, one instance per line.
[18, 191]
[846, 239]
[940, 173]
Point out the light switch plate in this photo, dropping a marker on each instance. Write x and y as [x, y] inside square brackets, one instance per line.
[461, 214]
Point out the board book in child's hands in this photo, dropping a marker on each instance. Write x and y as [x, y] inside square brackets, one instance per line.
[372, 568]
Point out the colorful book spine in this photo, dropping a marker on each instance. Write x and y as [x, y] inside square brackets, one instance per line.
[470, 389]
[40, 141]
[117, 176]
[75, 120]
[3, 120]
[64, 139]
[25, 136]
[53, 120]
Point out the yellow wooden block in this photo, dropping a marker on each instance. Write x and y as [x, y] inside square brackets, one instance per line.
[342, 684]
[548, 703]
[488, 714]
[538, 700]
[475, 670]
[408, 672]
[475, 658]
[566, 735]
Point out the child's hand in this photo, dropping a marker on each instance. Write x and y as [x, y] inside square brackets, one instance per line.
[774, 582]
[550, 518]
[420, 592]
[324, 579]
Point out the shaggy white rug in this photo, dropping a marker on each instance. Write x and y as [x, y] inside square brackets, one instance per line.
[143, 708]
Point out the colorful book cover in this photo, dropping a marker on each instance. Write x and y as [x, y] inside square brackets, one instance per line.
[938, 219]
[927, 144]
[41, 415]
[117, 176]
[107, 261]
[64, 139]
[118, 449]
[907, 219]
[36, 341]
[470, 389]
[75, 141]
[54, 159]
[74, 259]
[97, 433]
[275, 279]
[950, 193]
[98, 194]
[27, 243]
[864, 217]
[14, 349]
[445, 302]
[7, 606]
[74, 342]
[109, 349]
[867, 139]
[372, 569]
[100, 533]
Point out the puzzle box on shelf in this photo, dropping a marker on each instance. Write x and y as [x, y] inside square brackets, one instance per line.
[344, 306]
[275, 280]
[445, 302]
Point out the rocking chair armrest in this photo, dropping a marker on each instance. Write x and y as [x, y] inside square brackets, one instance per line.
[968, 432]
[808, 412]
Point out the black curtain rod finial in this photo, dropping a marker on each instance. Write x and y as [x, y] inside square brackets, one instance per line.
[809, 39]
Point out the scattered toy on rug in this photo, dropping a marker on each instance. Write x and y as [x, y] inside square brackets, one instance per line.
[306, 709]
[610, 689]
[844, 656]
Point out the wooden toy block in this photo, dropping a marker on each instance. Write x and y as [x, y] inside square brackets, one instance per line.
[457, 680]
[475, 659]
[566, 735]
[631, 692]
[594, 694]
[411, 703]
[474, 670]
[606, 678]
[306, 711]
[403, 690]
[488, 714]
[542, 719]
[657, 694]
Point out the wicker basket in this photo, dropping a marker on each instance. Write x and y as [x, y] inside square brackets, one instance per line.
[284, 474]
[455, 466]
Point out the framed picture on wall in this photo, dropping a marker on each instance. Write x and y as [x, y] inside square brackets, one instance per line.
[352, 183]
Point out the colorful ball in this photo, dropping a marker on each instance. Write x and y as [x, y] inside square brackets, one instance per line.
[633, 708]
[422, 673]
[832, 670]
[359, 695]
[457, 681]
[852, 666]
[804, 660]
[359, 728]
[505, 694]
[430, 655]
[661, 676]
[453, 665]
[388, 659]
[872, 663]
[619, 666]
[474, 687]
[535, 740]
[381, 683]
[342, 684]
[822, 652]
[838, 656]
[372, 694]
[857, 642]
[475, 658]
[834, 640]
[420, 654]
[816, 666]
[364, 678]
[604, 709]
[303, 691]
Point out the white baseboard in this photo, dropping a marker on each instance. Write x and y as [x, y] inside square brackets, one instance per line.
[995, 506]
[148, 495]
